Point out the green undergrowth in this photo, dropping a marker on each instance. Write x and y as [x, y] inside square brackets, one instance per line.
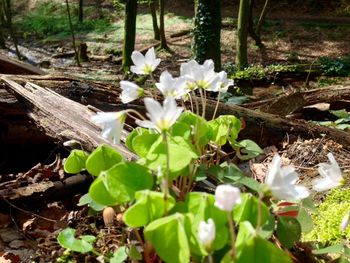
[327, 221]
[50, 19]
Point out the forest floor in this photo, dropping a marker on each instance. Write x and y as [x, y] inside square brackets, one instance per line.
[290, 38]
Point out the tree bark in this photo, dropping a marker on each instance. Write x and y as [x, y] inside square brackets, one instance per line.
[152, 7]
[8, 15]
[2, 26]
[81, 11]
[72, 34]
[207, 32]
[129, 33]
[163, 42]
[242, 35]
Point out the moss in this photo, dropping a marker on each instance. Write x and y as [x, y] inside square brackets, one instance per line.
[327, 221]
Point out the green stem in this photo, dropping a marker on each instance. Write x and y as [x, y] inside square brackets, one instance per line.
[210, 258]
[216, 106]
[233, 235]
[203, 102]
[135, 112]
[258, 223]
[191, 102]
[167, 173]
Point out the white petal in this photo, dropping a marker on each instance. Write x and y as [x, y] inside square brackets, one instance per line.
[137, 70]
[324, 184]
[137, 58]
[128, 85]
[150, 56]
[154, 109]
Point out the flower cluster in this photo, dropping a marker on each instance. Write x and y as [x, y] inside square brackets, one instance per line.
[282, 180]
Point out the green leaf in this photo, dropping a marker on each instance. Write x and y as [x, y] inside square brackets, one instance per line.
[120, 255]
[124, 179]
[197, 127]
[149, 206]
[134, 254]
[252, 248]
[101, 159]
[249, 210]
[288, 231]
[201, 206]
[305, 220]
[267, 230]
[75, 162]
[169, 238]
[67, 240]
[341, 114]
[225, 127]
[337, 248]
[181, 154]
[132, 135]
[99, 193]
[87, 200]
[142, 143]
[247, 149]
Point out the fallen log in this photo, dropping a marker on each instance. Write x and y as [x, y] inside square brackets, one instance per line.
[12, 66]
[60, 118]
[266, 129]
[291, 103]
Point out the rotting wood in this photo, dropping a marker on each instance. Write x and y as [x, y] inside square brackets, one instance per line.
[61, 118]
[12, 66]
[266, 129]
[305, 98]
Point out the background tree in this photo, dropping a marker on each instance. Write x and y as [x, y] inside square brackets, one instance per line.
[152, 7]
[207, 32]
[255, 31]
[163, 42]
[7, 11]
[242, 34]
[129, 32]
[2, 26]
[72, 34]
[81, 11]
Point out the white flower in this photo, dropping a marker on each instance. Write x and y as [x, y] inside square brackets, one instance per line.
[206, 233]
[112, 124]
[223, 83]
[130, 91]
[226, 197]
[281, 181]
[172, 87]
[144, 65]
[200, 76]
[345, 222]
[161, 118]
[331, 175]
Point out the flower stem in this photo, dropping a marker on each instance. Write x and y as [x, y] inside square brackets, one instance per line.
[216, 106]
[191, 102]
[167, 173]
[196, 101]
[128, 111]
[203, 102]
[233, 235]
[210, 258]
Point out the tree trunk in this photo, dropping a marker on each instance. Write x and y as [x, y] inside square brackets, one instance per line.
[262, 18]
[242, 35]
[152, 7]
[207, 32]
[2, 26]
[81, 11]
[129, 33]
[8, 15]
[251, 29]
[163, 42]
[73, 36]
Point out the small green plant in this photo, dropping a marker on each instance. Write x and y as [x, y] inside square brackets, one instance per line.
[329, 217]
[176, 149]
[335, 67]
[342, 122]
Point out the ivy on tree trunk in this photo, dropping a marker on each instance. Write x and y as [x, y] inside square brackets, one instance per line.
[242, 34]
[207, 32]
[129, 32]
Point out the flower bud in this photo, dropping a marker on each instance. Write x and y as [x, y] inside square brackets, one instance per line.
[226, 197]
[345, 222]
[206, 233]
